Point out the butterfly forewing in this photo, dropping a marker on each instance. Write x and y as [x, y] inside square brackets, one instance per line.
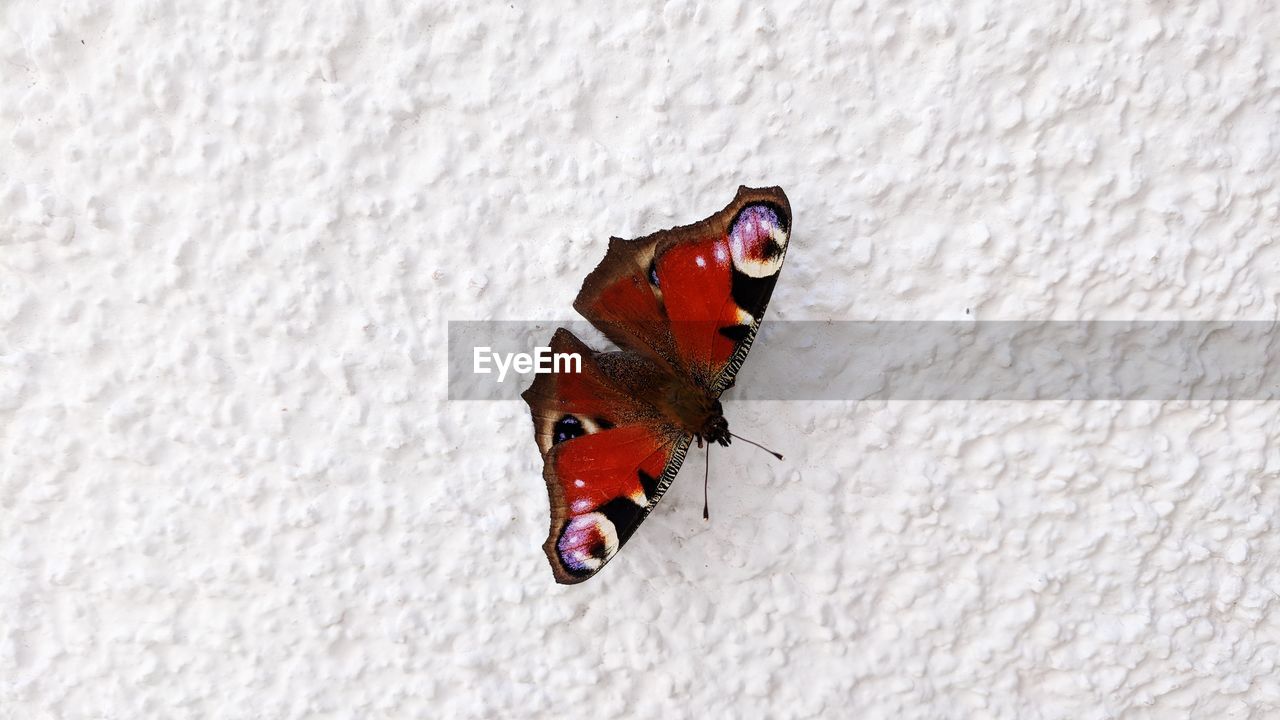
[693, 296]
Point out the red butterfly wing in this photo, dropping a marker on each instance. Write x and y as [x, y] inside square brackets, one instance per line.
[607, 457]
[692, 297]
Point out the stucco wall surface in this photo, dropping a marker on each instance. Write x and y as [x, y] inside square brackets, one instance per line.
[231, 234]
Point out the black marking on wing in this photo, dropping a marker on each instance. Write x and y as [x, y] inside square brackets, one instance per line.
[752, 294]
[736, 333]
[648, 482]
[604, 424]
[625, 516]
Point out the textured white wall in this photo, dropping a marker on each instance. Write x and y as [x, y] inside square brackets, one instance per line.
[230, 237]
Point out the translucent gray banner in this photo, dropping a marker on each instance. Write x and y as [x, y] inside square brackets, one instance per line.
[937, 360]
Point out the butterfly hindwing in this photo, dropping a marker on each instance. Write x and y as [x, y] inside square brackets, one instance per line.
[607, 457]
[693, 297]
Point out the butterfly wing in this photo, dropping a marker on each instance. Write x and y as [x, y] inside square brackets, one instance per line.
[607, 456]
[692, 298]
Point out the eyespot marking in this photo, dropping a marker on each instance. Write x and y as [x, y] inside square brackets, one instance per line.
[586, 542]
[758, 240]
[567, 428]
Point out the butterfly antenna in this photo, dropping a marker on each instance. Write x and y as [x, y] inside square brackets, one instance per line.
[706, 474]
[753, 442]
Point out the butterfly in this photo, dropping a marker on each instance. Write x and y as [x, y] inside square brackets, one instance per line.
[683, 305]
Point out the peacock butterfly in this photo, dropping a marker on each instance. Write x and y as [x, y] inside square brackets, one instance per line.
[684, 306]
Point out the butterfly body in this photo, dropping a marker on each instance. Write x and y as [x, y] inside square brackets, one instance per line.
[695, 410]
[684, 306]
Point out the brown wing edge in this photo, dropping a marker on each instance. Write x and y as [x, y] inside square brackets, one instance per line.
[542, 389]
[559, 515]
